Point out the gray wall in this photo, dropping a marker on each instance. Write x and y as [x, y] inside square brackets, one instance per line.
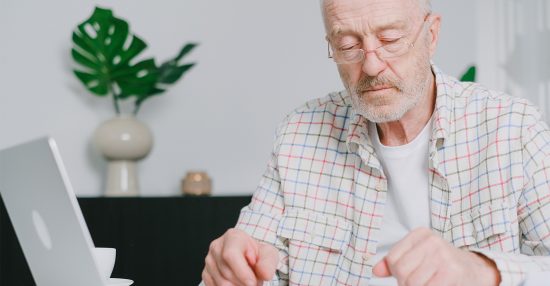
[256, 62]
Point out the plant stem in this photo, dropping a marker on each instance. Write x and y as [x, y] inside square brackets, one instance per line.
[136, 109]
[115, 99]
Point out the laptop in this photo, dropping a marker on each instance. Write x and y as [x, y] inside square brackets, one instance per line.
[46, 216]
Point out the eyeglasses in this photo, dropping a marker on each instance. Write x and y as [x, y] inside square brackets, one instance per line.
[393, 49]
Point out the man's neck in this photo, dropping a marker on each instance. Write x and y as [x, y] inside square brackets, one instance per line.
[404, 130]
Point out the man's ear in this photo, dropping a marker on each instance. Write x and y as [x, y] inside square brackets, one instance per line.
[433, 32]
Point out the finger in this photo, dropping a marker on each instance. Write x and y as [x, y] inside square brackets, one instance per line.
[412, 259]
[424, 272]
[268, 259]
[439, 279]
[207, 279]
[381, 269]
[215, 256]
[412, 239]
[251, 256]
[223, 264]
[234, 257]
[212, 269]
[226, 272]
[238, 269]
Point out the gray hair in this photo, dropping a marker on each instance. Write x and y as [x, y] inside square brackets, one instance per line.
[425, 5]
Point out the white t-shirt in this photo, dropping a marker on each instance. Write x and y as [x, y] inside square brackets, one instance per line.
[408, 202]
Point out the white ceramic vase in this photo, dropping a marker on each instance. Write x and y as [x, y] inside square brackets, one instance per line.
[123, 141]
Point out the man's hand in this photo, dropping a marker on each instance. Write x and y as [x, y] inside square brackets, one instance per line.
[235, 258]
[424, 258]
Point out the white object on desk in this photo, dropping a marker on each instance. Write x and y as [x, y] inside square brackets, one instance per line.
[119, 282]
[46, 216]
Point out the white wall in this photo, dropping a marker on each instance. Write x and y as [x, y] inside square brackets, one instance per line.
[516, 60]
[257, 61]
[458, 41]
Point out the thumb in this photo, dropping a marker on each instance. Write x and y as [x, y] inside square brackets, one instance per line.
[267, 261]
[381, 269]
[251, 255]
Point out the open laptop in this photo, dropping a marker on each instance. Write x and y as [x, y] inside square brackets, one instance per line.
[46, 216]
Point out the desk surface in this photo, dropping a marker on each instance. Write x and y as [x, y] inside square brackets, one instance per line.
[159, 241]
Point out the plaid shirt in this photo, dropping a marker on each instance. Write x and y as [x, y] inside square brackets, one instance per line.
[321, 199]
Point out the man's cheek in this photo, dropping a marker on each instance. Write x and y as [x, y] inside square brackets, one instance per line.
[349, 77]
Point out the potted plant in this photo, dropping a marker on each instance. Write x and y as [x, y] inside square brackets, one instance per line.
[106, 53]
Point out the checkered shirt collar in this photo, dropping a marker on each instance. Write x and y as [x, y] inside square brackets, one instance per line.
[358, 131]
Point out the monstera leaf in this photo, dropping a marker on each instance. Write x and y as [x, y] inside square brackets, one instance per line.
[105, 50]
[168, 73]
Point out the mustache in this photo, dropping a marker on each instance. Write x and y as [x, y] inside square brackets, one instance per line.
[368, 82]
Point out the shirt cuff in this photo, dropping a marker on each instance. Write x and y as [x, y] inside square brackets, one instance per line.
[513, 267]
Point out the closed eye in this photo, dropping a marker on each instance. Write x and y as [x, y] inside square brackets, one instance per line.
[385, 41]
[349, 47]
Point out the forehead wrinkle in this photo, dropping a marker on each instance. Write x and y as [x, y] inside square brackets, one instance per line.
[351, 27]
[364, 26]
[372, 15]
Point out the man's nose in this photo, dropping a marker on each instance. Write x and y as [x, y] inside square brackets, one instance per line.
[373, 65]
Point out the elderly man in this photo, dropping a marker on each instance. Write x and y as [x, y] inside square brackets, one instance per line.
[408, 174]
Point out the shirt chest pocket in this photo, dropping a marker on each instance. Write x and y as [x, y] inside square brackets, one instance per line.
[488, 226]
[316, 242]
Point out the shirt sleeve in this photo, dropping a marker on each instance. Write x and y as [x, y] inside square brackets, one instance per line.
[533, 208]
[260, 219]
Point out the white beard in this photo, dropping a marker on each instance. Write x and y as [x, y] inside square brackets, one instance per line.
[411, 91]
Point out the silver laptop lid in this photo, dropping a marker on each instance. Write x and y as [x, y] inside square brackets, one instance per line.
[46, 216]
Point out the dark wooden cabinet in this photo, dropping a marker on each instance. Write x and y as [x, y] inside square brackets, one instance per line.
[159, 241]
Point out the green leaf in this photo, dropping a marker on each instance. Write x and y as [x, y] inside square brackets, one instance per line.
[84, 60]
[153, 92]
[185, 50]
[136, 47]
[170, 73]
[469, 75]
[92, 83]
[106, 51]
[119, 30]
[138, 80]
[99, 48]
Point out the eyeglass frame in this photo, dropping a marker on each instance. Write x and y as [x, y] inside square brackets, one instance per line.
[410, 45]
